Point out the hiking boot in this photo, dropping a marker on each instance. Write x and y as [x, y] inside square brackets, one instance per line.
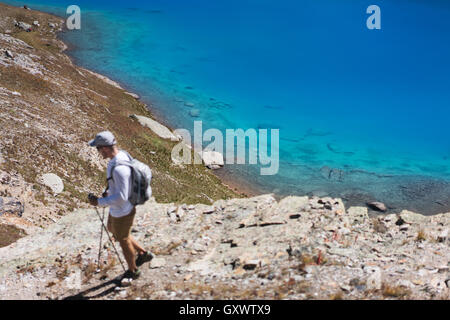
[143, 258]
[131, 274]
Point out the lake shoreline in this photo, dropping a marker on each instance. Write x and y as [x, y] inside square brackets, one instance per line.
[244, 184]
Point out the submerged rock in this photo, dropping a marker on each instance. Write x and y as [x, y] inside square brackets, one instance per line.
[194, 113]
[332, 173]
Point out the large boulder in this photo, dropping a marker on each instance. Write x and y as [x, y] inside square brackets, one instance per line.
[411, 218]
[292, 206]
[23, 25]
[52, 181]
[212, 159]
[358, 214]
[156, 127]
[377, 206]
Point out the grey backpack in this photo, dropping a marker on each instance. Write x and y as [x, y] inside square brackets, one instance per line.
[141, 176]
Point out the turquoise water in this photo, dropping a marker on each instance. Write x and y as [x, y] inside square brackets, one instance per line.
[372, 105]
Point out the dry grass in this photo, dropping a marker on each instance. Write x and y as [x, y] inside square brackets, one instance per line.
[110, 263]
[89, 271]
[338, 295]
[167, 250]
[308, 259]
[393, 291]
[63, 273]
[421, 236]
[378, 226]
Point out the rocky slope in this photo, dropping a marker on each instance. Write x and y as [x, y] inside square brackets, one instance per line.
[255, 248]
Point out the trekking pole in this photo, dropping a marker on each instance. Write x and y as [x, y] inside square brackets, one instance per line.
[100, 245]
[106, 231]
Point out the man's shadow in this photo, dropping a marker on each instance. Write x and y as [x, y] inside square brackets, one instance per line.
[116, 282]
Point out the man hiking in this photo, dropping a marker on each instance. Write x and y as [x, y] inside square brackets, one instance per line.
[122, 211]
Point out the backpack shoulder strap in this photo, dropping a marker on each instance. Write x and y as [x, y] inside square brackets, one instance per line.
[129, 156]
[120, 163]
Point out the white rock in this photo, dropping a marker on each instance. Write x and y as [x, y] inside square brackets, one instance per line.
[123, 294]
[157, 263]
[171, 209]
[374, 280]
[443, 236]
[180, 213]
[438, 284]
[209, 210]
[212, 159]
[378, 206]
[173, 216]
[405, 283]
[134, 95]
[156, 127]
[23, 25]
[298, 277]
[9, 54]
[412, 217]
[358, 214]
[126, 282]
[293, 204]
[52, 181]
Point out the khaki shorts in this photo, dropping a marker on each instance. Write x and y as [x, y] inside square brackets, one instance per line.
[121, 227]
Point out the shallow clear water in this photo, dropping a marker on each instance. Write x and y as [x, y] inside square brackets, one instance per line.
[373, 103]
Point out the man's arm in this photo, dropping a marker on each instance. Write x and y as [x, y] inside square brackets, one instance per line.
[121, 176]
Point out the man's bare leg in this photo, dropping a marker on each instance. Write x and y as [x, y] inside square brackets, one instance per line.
[137, 247]
[129, 253]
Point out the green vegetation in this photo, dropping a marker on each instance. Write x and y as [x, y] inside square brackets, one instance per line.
[9, 234]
